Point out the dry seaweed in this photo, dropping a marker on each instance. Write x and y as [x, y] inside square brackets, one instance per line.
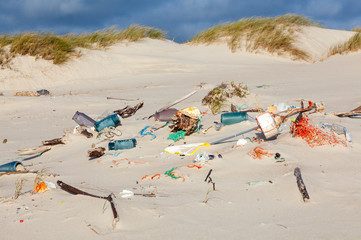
[217, 97]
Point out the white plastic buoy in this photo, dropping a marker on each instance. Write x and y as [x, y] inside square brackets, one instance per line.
[267, 124]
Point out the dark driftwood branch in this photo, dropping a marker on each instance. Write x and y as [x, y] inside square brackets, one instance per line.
[97, 152]
[86, 133]
[54, 141]
[129, 111]
[76, 191]
[301, 185]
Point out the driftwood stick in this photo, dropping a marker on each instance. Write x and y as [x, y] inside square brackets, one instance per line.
[76, 191]
[54, 141]
[301, 185]
[16, 172]
[178, 101]
[209, 173]
[123, 99]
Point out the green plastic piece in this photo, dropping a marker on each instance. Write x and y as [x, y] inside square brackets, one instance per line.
[170, 173]
[176, 136]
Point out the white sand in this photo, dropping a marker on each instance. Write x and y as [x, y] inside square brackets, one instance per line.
[159, 72]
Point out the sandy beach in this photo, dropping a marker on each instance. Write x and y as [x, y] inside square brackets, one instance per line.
[253, 198]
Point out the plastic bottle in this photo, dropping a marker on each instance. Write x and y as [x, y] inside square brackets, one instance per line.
[12, 167]
[233, 117]
[339, 129]
[122, 144]
[83, 120]
[110, 121]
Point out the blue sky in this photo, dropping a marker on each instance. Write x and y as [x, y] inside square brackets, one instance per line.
[181, 19]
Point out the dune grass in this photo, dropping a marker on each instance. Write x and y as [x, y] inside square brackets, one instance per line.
[59, 48]
[358, 29]
[352, 45]
[274, 35]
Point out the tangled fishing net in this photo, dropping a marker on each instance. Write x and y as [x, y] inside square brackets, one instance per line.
[304, 128]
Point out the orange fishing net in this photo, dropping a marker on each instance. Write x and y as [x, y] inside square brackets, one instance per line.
[259, 153]
[313, 135]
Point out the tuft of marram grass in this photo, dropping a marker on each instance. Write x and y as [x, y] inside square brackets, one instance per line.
[358, 29]
[272, 34]
[60, 48]
[352, 45]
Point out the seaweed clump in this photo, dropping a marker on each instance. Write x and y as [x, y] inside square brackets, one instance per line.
[216, 98]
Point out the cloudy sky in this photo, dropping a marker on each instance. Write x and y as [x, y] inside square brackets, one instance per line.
[181, 19]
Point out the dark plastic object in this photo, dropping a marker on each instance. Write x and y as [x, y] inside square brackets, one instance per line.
[10, 167]
[233, 117]
[83, 119]
[122, 144]
[166, 115]
[110, 121]
[43, 92]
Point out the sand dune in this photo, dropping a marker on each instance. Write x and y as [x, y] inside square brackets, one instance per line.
[254, 199]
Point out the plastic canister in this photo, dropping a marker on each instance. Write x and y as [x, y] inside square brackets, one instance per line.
[83, 119]
[233, 117]
[11, 166]
[122, 144]
[110, 121]
[267, 124]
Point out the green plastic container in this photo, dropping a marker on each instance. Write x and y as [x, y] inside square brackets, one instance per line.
[10, 167]
[122, 144]
[110, 121]
[233, 117]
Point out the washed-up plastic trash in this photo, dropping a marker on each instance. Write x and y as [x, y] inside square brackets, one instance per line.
[122, 144]
[339, 129]
[126, 193]
[204, 157]
[218, 126]
[195, 112]
[12, 167]
[233, 117]
[110, 121]
[165, 115]
[83, 120]
[267, 124]
[241, 142]
[43, 92]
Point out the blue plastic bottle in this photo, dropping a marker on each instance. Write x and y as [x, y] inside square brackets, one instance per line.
[110, 121]
[122, 144]
[233, 117]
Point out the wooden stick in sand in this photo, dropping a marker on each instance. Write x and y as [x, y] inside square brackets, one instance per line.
[76, 191]
[301, 185]
[178, 101]
[122, 99]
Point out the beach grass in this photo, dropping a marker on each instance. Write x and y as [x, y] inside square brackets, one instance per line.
[352, 45]
[273, 34]
[59, 48]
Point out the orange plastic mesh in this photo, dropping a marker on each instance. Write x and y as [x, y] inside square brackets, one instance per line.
[313, 135]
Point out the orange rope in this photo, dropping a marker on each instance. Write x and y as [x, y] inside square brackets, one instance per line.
[259, 153]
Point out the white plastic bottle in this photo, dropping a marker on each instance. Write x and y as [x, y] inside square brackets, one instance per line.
[339, 129]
